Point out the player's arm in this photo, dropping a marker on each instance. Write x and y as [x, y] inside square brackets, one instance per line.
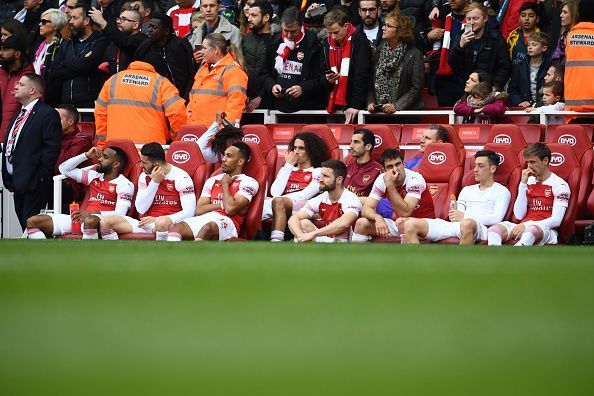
[204, 206]
[280, 182]
[204, 143]
[233, 204]
[521, 204]
[560, 204]
[124, 201]
[69, 167]
[146, 194]
[338, 226]
[187, 199]
[369, 211]
[294, 222]
[403, 207]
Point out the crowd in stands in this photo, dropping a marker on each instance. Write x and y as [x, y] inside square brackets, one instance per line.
[148, 68]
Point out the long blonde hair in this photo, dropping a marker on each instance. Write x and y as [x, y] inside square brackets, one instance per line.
[224, 45]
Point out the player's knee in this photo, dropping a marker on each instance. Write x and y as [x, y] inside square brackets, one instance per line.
[106, 222]
[209, 229]
[162, 223]
[91, 222]
[411, 226]
[361, 225]
[278, 203]
[468, 226]
[33, 222]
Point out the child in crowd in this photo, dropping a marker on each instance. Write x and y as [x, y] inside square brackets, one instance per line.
[552, 94]
[482, 105]
[528, 75]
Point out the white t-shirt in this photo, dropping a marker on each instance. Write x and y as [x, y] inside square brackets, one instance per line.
[414, 184]
[487, 206]
[371, 33]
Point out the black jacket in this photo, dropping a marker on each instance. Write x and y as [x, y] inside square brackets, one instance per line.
[493, 58]
[308, 55]
[255, 47]
[519, 86]
[175, 61]
[80, 77]
[125, 43]
[36, 151]
[359, 71]
[53, 87]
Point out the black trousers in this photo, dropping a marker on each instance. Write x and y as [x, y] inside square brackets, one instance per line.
[29, 202]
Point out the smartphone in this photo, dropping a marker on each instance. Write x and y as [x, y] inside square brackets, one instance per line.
[377, 108]
[321, 10]
[198, 47]
[328, 71]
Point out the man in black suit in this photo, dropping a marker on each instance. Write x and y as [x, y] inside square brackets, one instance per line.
[31, 149]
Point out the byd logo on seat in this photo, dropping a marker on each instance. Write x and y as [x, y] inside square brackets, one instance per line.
[437, 158]
[180, 157]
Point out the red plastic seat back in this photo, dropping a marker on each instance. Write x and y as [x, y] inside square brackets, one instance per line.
[473, 134]
[133, 168]
[190, 133]
[327, 136]
[186, 155]
[442, 171]
[412, 133]
[508, 134]
[88, 129]
[384, 139]
[260, 135]
[258, 169]
[283, 133]
[342, 132]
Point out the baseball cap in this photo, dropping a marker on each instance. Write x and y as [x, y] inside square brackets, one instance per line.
[14, 43]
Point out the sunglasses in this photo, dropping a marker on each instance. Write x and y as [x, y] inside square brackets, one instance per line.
[44, 21]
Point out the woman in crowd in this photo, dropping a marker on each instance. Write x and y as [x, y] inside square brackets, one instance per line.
[12, 27]
[480, 104]
[398, 79]
[569, 18]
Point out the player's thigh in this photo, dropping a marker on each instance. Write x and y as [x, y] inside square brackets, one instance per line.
[392, 227]
[549, 236]
[439, 229]
[129, 224]
[507, 226]
[62, 224]
[225, 225]
[267, 209]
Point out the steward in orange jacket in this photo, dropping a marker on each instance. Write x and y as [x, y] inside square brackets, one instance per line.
[579, 68]
[139, 104]
[217, 88]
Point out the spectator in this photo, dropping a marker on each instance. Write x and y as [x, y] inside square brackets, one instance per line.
[569, 18]
[361, 169]
[518, 38]
[418, 10]
[51, 23]
[447, 87]
[483, 105]
[77, 60]
[293, 76]
[146, 8]
[398, 78]
[352, 10]
[480, 48]
[213, 23]
[181, 14]
[110, 9]
[12, 27]
[552, 96]
[170, 55]
[244, 13]
[195, 20]
[220, 84]
[14, 64]
[256, 44]
[124, 35]
[348, 80]
[528, 75]
[312, 15]
[371, 24]
[74, 142]
[29, 15]
[140, 94]
[387, 6]
[8, 9]
[556, 72]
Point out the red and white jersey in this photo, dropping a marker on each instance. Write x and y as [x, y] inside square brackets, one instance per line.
[414, 186]
[542, 196]
[300, 178]
[167, 199]
[330, 211]
[105, 194]
[182, 24]
[242, 185]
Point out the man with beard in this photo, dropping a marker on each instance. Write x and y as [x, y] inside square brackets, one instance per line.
[337, 207]
[77, 60]
[254, 47]
[371, 26]
[13, 58]
[387, 6]
[110, 193]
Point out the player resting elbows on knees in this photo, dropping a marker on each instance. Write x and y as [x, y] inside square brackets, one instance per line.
[542, 200]
[337, 207]
[478, 206]
[224, 201]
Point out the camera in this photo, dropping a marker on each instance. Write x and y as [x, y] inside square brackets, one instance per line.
[320, 10]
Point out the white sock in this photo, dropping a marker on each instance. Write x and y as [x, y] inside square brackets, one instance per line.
[527, 239]
[277, 236]
[35, 233]
[109, 235]
[358, 238]
[174, 237]
[90, 234]
[493, 238]
[162, 236]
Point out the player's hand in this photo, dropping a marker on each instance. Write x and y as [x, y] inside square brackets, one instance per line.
[291, 158]
[306, 237]
[525, 104]
[158, 174]
[526, 173]
[350, 115]
[381, 228]
[81, 215]
[517, 231]
[455, 215]
[226, 179]
[389, 108]
[466, 38]
[146, 221]
[295, 91]
[390, 177]
[94, 153]
[276, 91]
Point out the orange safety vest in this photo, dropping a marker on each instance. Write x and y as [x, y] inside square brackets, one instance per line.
[222, 88]
[579, 68]
[139, 104]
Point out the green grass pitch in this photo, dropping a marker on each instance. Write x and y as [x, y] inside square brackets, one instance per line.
[146, 318]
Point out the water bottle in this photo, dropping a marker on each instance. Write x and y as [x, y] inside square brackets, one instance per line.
[74, 224]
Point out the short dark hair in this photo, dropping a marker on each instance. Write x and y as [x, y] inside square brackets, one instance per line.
[538, 149]
[265, 8]
[442, 132]
[491, 155]
[71, 111]
[391, 154]
[314, 146]
[559, 69]
[85, 9]
[338, 168]
[291, 15]
[378, 3]
[37, 81]
[165, 20]
[529, 6]
[368, 137]
[244, 150]
[120, 155]
[483, 76]
[556, 86]
[153, 151]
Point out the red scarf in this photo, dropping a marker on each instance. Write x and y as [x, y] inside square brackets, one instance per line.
[339, 60]
[284, 50]
[444, 68]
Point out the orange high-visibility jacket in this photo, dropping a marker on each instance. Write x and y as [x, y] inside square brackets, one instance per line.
[139, 104]
[579, 68]
[223, 88]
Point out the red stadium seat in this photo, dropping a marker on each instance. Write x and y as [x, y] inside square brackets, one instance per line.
[473, 134]
[342, 132]
[190, 133]
[261, 136]
[384, 139]
[283, 133]
[88, 129]
[327, 136]
[187, 156]
[509, 134]
[442, 171]
[589, 128]
[532, 132]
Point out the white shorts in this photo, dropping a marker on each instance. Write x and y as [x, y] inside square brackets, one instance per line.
[440, 229]
[226, 226]
[149, 229]
[267, 209]
[63, 223]
[392, 227]
[549, 235]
